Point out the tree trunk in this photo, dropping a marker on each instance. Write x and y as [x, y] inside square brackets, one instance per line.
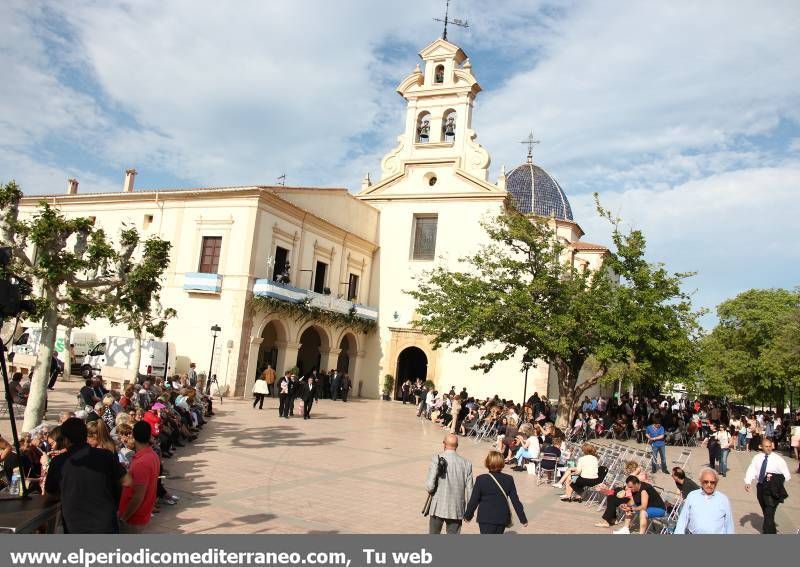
[35, 408]
[67, 358]
[136, 361]
[566, 394]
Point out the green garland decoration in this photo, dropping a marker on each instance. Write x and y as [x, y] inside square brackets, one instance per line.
[305, 312]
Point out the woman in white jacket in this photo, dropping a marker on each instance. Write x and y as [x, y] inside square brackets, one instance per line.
[260, 391]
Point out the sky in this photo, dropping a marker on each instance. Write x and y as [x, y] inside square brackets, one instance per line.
[684, 116]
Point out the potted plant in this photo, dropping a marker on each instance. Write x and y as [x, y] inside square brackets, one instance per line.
[388, 387]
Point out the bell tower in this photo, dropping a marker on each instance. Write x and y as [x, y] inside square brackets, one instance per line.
[438, 125]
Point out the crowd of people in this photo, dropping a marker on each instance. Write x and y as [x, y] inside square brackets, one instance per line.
[526, 433]
[104, 461]
[299, 393]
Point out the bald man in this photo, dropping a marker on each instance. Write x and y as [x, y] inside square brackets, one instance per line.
[450, 485]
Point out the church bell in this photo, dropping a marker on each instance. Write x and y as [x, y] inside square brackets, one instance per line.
[450, 127]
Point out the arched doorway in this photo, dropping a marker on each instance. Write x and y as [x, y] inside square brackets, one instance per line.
[268, 350]
[411, 364]
[348, 351]
[309, 356]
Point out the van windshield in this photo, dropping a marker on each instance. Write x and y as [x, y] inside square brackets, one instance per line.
[98, 349]
[22, 340]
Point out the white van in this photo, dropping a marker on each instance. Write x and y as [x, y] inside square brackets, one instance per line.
[158, 357]
[28, 342]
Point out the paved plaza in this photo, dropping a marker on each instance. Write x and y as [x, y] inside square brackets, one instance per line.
[357, 467]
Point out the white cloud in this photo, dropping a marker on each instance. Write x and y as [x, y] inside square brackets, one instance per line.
[733, 228]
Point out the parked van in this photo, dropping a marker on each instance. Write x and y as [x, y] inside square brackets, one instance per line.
[28, 342]
[158, 357]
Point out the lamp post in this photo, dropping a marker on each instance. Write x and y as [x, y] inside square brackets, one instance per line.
[527, 362]
[215, 329]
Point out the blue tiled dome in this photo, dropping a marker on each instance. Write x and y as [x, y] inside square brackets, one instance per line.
[534, 191]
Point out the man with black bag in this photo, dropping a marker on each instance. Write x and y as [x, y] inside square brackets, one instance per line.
[449, 484]
[770, 472]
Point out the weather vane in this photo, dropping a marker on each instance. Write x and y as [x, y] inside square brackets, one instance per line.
[530, 142]
[282, 180]
[449, 20]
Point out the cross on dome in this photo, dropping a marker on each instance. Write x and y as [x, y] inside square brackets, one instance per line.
[530, 142]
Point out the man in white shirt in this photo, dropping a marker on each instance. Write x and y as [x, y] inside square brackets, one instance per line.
[706, 511]
[762, 469]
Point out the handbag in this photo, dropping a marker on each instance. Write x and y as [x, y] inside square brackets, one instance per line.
[509, 520]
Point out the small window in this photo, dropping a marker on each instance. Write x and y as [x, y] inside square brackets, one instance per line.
[352, 288]
[148, 219]
[281, 256]
[319, 277]
[438, 75]
[424, 237]
[209, 259]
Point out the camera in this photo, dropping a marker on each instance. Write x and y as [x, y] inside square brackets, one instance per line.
[13, 289]
[441, 468]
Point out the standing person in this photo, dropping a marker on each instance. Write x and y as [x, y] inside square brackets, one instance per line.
[293, 392]
[192, 375]
[335, 384]
[346, 385]
[770, 472]
[449, 488]
[406, 390]
[87, 481]
[493, 496]
[316, 384]
[706, 511]
[56, 367]
[260, 391]
[138, 499]
[306, 393]
[655, 437]
[268, 376]
[283, 396]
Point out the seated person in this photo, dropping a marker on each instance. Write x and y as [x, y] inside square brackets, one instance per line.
[87, 394]
[550, 455]
[646, 500]
[587, 470]
[527, 448]
[18, 395]
[619, 495]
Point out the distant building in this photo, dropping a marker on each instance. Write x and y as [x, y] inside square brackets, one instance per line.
[327, 269]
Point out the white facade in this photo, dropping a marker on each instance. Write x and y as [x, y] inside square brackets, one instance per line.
[436, 175]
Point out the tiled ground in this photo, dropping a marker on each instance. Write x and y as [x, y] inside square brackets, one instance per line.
[356, 467]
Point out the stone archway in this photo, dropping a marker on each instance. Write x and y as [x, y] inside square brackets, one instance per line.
[412, 363]
[273, 338]
[309, 355]
[347, 354]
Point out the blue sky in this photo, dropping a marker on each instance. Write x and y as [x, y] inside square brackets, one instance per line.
[684, 116]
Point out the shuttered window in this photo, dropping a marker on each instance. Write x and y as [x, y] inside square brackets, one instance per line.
[209, 258]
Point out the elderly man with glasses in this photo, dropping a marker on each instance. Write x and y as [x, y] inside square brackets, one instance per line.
[706, 511]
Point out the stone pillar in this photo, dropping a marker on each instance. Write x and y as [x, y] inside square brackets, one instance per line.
[329, 358]
[252, 364]
[355, 364]
[287, 356]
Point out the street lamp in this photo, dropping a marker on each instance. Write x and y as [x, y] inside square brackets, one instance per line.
[215, 329]
[527, 362]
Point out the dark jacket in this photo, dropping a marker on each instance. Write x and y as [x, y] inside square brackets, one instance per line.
[492, 506]
[776, 488]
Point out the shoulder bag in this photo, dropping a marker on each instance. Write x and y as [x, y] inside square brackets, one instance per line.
[509, 520]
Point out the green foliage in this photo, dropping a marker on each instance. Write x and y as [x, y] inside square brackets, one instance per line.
[388, 384]
[753, 352]
[79, 273]
[303, 312]
[523, 293]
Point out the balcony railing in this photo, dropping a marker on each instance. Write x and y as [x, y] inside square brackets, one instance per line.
[284, 292]
[208, 283]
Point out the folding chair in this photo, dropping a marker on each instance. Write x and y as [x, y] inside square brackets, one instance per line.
[543, 472]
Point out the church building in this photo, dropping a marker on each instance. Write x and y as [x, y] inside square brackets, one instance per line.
[316, 277]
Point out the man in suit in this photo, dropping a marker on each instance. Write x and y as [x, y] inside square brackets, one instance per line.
[283, 396]
[450, 490]
[315, 383]
[335, 383]
[346, 384]
[305, 391]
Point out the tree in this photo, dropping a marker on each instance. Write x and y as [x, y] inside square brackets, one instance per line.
[754, 347]
[77, 273]
[521, 293]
